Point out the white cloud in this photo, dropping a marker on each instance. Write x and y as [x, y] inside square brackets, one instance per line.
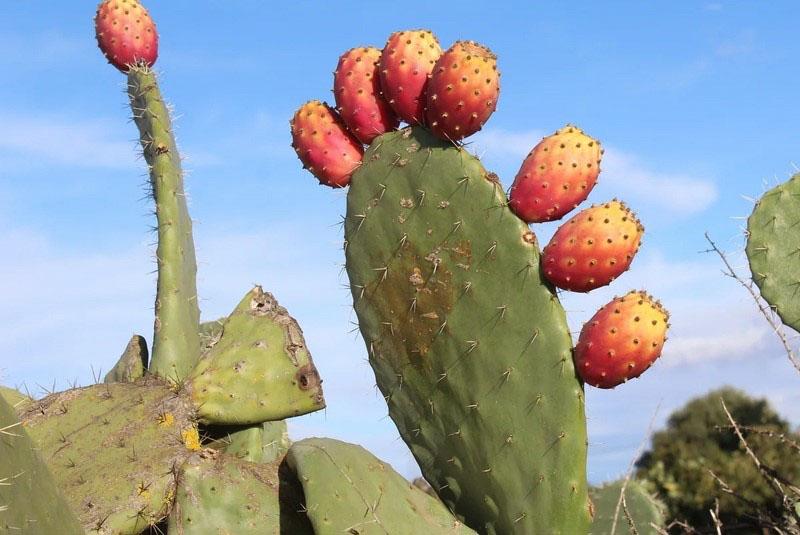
[625, 173]
[83, 143]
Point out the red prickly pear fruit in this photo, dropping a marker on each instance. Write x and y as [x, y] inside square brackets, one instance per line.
[357, 88]
[405, 65]
[556, 176]
[126, 34]
[593, 248]
[622, 340]
[463, 90]
[324, 145]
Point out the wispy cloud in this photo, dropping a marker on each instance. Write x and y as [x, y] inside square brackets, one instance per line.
[73, 141]
[634, 180]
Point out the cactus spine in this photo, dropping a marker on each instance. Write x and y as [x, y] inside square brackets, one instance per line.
[176, 339]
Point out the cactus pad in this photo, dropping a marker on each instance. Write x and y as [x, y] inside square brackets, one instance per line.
[773, 248]
[259, 443]
[259, 370]
[348, 490]
[14, 397]
[132, 364]
[645, 512]
[469, 345]
[220, 495]
[30, 502]
[114, 449]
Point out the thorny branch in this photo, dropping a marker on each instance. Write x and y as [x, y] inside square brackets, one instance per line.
[765, 309]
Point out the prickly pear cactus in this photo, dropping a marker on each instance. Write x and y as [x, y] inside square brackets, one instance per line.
[113, 450]
[259, 443]
[219, 494]
[773, 248]
[644, 512]
[14, 397]
[30, 501]
[132, 364]
[348, 490]
[259, 369]
[469, 345]
[176, 340]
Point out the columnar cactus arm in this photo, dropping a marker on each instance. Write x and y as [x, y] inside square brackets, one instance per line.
[176, 341]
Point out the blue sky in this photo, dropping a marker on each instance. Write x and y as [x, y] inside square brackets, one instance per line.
[695, 103]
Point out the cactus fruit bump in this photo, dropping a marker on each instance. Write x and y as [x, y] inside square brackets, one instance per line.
[357, 88]
[126, 34]
[324, 145]
[593, 248]
[463, 90]
[406, 62]
[622, 340]
[558, 175]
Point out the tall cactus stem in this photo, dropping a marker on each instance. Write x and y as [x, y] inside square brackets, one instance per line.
[176, 342]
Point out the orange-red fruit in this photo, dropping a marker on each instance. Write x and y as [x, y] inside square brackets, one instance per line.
[557, 176]
[621, 340]
[324, 145]
[593, 248]
[125, 33]
[357, 88]
[463, 90]
[406, 61]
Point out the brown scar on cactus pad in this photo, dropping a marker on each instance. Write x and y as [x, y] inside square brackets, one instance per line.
[622, 340]
[556, 176]
[593, 248]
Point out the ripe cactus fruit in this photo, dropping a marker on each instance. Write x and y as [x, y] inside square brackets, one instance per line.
[126, 34]
[259, 370]
[463, 90]
[324, 145]
[593, 248]
[406, 62]
[557, 175]
[113, 449]
[176, 338]
[772, 246]
[469, 346]
[30, 501]
[349, 490]
[357, 88]
[622, 340]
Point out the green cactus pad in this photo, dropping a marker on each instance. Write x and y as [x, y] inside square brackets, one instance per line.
[113, 450]
[469, 345]
[14, 397]
[176, 340]
[773, 248]
[646, 513]
[210, 333]
[30, 502]
[259, 370]
[132, 364]
[349, 490]
[259, 443]
[220, 495]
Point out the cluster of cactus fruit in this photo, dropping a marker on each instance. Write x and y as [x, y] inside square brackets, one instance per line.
[466, 336]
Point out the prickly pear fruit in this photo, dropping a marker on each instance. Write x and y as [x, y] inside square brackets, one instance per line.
[357, 88]
[324, 145]
[621, 340]
[405, 64]
[125, 33]
[463, 90]
[556, 176]
[593, 248]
